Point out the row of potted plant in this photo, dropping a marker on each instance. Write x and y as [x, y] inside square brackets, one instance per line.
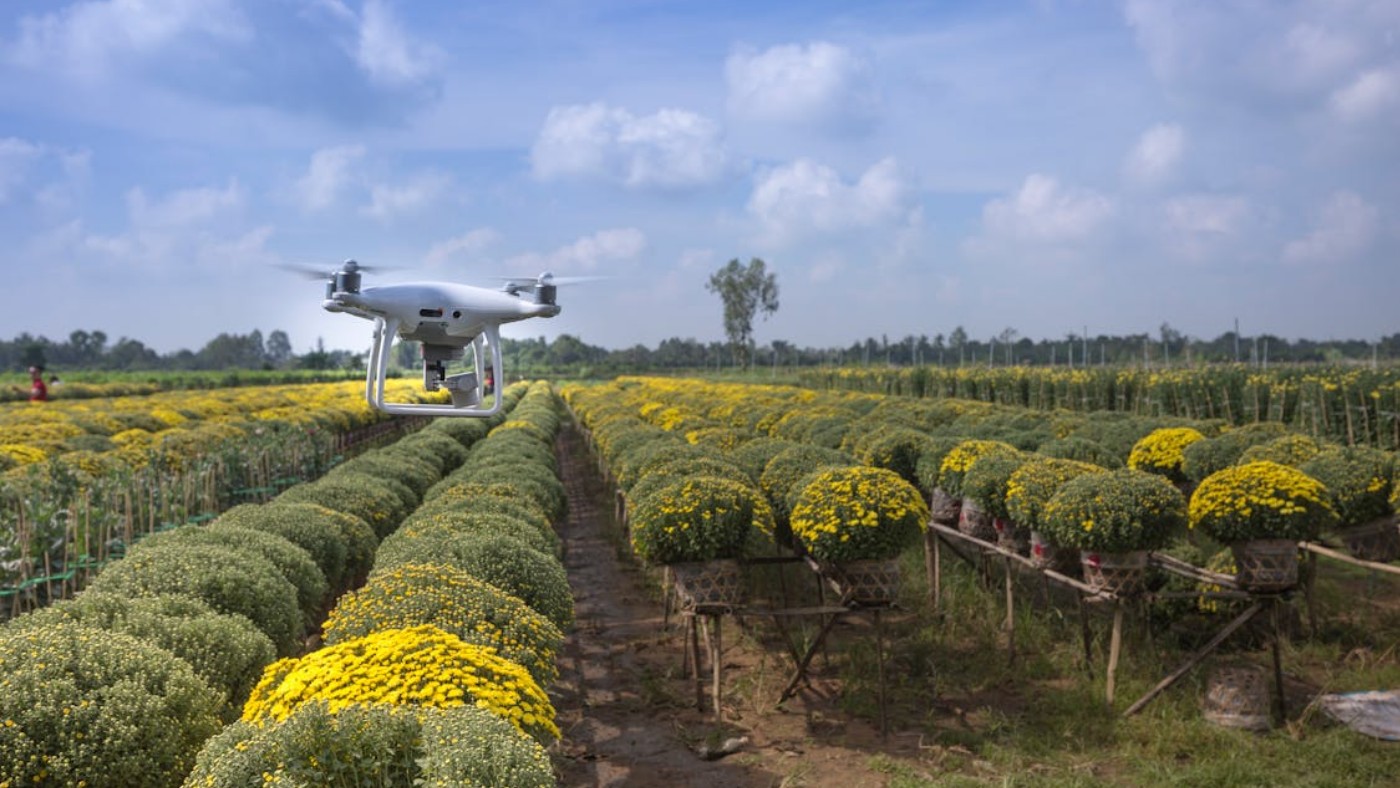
[123, 684]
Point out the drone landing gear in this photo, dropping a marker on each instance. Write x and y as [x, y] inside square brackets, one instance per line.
[466, 389]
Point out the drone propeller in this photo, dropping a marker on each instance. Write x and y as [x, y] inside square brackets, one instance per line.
[349, 266]
[547, 279]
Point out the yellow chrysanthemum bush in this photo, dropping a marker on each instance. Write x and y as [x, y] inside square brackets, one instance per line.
[416, 666]
[342, 545]
[452, 600]
[858, 513]
[1033, 484]
[82, 706]
[959, 460]
[1292, 450]
[428, 526]
[987, 480]
[783, 477]
[1261, 500]
[462, 747]
[376, 504]
[1163, 451]
[1202, 458]
[699, 519]
[1115, 512]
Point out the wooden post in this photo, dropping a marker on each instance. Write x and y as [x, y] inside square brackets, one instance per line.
[695, 661]
[717, 668]
[1281, 707]
[1010, 615]
[1087, 637]
[880, 669]
[1195, 659]
[1115, 648]
[931, 566]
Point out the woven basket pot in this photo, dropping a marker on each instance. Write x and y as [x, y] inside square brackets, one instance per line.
[944, 508]
[974, 521]
[1011, 536]
[1266, 565]
[872, 582]
[718, 583]
[1120, 574]
[1237, 696]
[1045, 554]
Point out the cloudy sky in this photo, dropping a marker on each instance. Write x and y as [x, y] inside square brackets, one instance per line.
[905, 167]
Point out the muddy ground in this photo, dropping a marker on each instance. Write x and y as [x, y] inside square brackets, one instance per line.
[629, 715]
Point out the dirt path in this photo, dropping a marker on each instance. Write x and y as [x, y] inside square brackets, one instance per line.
[626, 712]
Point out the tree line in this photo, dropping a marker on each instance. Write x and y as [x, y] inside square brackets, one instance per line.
[571, 355]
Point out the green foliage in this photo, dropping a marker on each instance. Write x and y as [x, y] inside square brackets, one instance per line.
[294, 563]
[376, 504]
[986, 481]
[1358, 482]
[753, 456]
[323, 533]
[1083, 450]
[659, 476]
[512, 565]
[431, 526]
[536, 482]
[930, 463]
[1202, 458]
[745, 290]
[463, 747]
[1115, 512]
[229, 580]
[82, 706]
[895, 448]
[1292, 450]
[440, 451]
[402, 466]
[858, 513]
[698, 519]
[957, 462]
[455, 602]
[1162, 452]
[780, 478]
[227, 651]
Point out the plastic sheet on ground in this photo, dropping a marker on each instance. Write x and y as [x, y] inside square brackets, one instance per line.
[1375, 714]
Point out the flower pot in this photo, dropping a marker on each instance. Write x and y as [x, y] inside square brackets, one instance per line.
[1266, 565]
[1011, 536]
[1378, 540]
[1048, 555]
[944, 508]
[1237, 696]
[1121, 574]
[974, 521]
[717, 583]
[869, 582]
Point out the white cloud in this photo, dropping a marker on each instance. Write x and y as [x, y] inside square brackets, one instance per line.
[1043, 211]
[805, 196]
[589, 253]
[86, 38]
[328, 173]
[461, 248]
[184, 208]
[816, 83]
[1155, 156]
[1372, 92]
[1206, 213]
[16, 158]
[670, 149]
[1345, 228]
[387, 54]
[389, 201]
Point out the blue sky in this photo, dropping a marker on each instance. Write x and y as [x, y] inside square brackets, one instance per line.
[904, 167]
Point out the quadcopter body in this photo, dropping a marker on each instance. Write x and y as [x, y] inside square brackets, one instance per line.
[447, 319]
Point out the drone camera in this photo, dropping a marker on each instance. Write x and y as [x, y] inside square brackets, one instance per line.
[545, 294]
[464, 389]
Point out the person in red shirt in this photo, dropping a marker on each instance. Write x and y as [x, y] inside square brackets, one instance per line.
[38, 392]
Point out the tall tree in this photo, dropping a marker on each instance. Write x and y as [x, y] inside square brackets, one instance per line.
[745, 291]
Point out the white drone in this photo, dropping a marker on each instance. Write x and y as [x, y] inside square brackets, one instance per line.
[446, 318]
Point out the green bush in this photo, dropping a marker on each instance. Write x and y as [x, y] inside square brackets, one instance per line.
[455, 602]
[754, 455]
[473, 498]
[504, 561]
[375, 504]
[1115, 512]
[465, 431]
[958, 461]
[294, 563]
[440, 451]
[480, 521]
[324, 534]
[698, 519]
[463, 747]
[1084, 450]
[659, 476]
[1032, 486]
[1291, 450]
[414, 472]
[229, 580]
[1358, 482]
[227, 651]
[894, 448]
[86, 707]
[538, 482]
[1202, 458]
[783, 473]
[930, 463]
[987, 480]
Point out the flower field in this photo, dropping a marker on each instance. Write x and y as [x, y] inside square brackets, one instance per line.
[1348, 405]
[81, 480]
[431, 669]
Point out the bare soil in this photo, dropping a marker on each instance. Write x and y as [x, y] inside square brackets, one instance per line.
[628, 713]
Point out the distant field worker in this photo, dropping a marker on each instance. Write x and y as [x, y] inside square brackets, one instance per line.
[38, 392]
